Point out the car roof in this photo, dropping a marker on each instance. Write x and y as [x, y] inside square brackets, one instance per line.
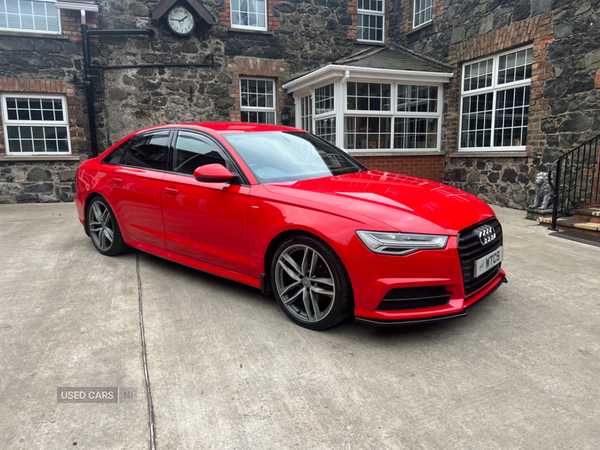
[228, 127]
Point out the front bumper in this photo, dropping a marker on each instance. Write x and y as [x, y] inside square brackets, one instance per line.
[469, 302]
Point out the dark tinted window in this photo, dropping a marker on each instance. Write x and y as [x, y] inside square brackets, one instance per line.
[149, 151]
[191, 152]
[117, 156]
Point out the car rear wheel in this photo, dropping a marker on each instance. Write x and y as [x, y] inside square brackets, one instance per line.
[104, 229]
[310, 283]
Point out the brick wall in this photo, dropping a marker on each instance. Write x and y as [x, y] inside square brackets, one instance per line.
[427, 167]
[71, 24]
[537, 31]
[272, 20]
[257, 67]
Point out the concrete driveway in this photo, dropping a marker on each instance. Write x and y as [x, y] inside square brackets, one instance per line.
[227, 370]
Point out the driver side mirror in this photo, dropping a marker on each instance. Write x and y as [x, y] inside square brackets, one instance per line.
[213, 173]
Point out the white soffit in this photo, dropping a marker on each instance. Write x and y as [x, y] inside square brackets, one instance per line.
[334, 71]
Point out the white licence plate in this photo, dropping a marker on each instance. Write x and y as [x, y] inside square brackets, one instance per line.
[482, 265]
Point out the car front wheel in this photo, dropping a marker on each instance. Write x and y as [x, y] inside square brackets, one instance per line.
[104, 229]
[310, 283]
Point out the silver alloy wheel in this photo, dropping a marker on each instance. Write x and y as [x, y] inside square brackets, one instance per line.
[305, 283]
[101, 226]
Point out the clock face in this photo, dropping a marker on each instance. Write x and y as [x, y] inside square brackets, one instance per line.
[181, 20]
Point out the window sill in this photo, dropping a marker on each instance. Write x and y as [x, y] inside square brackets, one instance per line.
[371, 43]
[394, 153]
[34, 35]
[518, 154]
[249, 31]
[10, 158]
[419, 28]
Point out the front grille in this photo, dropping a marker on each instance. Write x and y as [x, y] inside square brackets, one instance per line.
[470, 250]
[414, 298]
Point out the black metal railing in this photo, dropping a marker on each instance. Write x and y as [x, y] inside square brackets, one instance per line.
[574, 178]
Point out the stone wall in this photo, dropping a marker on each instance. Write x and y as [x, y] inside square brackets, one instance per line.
[564, 99]
[37, 181]
[304, 34]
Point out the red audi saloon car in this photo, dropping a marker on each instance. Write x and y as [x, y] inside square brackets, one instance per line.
[282, 210]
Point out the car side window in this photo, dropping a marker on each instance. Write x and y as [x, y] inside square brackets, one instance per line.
[192, 151]
[149, 151]
[117, 156]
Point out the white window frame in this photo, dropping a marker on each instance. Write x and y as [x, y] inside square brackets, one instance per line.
[494, 89]
[341, 111]
[393, 113]
[371, 12]
[415, 14]
[41, 123]
[25, 30]
[260, 108]
[248, 27]
[329, 114]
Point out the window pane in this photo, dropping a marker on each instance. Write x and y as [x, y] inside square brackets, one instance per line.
[512, 117]
[117, 156]
[417, 98]
[515, 66]
[412, 133]
[28, 15]
[256, 96]
[324, 99]
[423, 11]
[325, 129]
[478, 75]
[368, 96]
[367, 132]
[249, 13]
[149, 151]
[369, 27]
[192, 152]
[476, 120]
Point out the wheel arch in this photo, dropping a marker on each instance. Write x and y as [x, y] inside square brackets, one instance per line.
[91, 196]
[274, 245]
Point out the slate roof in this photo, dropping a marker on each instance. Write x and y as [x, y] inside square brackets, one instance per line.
[394, 58]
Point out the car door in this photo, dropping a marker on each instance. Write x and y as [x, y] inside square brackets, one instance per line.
[204, 221]
[136, 187]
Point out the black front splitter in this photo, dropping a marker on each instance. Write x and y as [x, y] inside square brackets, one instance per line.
[399, 323]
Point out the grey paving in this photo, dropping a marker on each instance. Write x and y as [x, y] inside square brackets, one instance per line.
[229, 371]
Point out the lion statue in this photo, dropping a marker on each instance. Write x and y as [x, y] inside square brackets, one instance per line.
[543, 192]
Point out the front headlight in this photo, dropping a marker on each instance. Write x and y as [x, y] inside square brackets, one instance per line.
[389, 243]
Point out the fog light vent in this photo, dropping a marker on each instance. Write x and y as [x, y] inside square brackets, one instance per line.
[415, 298]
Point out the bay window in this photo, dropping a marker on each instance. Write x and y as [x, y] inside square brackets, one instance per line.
[495, 102]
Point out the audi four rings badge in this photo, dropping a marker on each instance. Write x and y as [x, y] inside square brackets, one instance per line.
[487, 235]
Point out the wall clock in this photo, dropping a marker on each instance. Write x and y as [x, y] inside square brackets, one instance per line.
[181, 21]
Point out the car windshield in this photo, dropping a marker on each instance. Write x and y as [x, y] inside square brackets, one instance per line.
[278, 156]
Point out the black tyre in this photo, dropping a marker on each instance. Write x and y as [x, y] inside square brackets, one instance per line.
[104, 229]
[310, 283]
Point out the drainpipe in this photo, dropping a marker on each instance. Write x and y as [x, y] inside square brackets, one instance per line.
[87, 68]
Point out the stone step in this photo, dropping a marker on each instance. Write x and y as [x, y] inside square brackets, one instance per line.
[572, 224]
[587, 214]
